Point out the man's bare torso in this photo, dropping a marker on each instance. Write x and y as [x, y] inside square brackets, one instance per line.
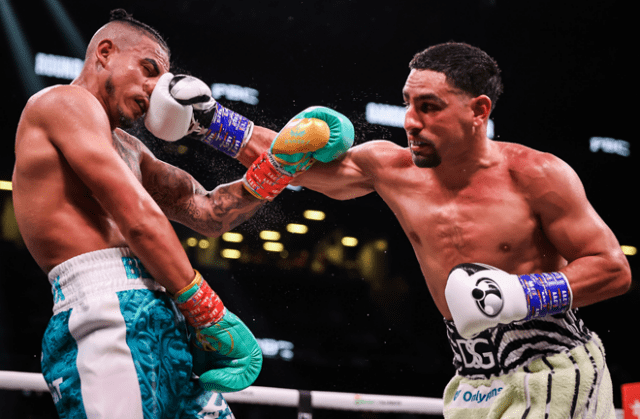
[57, 214]
[488, 220]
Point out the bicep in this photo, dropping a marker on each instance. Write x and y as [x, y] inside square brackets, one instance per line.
[568, 218]
[348, 177]
[597, 268]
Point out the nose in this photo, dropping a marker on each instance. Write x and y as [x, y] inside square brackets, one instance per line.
[411, 121]
[150, 84]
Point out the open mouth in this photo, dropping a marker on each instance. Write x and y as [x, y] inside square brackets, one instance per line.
[142, 104]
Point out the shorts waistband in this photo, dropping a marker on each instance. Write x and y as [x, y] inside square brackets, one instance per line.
[94, 273]
[504, 348]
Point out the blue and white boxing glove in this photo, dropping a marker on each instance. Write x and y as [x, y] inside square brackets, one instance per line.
[182, 105]
[480, 297]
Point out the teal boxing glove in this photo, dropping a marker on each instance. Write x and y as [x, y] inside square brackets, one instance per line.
[315, 134]
[232, 364]
[225, 353]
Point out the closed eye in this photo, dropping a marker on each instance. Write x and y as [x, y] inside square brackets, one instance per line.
[151, 66]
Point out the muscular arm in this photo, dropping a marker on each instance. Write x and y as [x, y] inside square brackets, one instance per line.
[597, 268]
[186, 201]
[76, 124]
[348, 177]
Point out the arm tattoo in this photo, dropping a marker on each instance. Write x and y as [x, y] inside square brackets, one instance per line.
[186, 201]
[129, 150]
[181, 197]
[233, 204]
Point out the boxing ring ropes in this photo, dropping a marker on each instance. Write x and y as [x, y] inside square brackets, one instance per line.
[305, 401]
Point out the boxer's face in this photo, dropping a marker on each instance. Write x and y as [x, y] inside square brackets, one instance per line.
[438, 117]
[134, 74]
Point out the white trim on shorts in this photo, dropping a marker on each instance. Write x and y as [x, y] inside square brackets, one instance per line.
[94, 273]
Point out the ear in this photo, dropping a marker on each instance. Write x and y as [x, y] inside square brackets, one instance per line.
[104, 50]
[481, 107]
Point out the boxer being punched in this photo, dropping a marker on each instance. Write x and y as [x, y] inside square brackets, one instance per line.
[93, 205]
[506, 239]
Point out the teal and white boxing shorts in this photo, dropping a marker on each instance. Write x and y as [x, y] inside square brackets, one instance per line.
[117, 347]
[549, 368]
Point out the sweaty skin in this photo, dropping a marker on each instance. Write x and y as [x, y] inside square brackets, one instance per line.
[81, 183]
[489, 202]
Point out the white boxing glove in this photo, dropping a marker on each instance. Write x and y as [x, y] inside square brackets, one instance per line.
[182, 105]
[171, 113]
[481, 296]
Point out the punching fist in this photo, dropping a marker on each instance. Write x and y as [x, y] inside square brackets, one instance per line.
[481, 296]
[226, 355]
[170, 115]
[317, 133]
[182, 105]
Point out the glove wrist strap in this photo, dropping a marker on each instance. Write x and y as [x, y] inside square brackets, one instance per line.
[265, 179]
[199, 304]
[228, 131]
[546, 294]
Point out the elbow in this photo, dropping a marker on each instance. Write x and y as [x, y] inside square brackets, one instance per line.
[622, 282]
[625, 282]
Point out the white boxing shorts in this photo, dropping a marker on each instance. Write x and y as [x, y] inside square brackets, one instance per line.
[117, 347]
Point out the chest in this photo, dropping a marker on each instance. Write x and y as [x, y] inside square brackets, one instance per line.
[488, 214]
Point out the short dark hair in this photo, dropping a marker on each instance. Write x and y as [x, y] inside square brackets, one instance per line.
[466, 67]
[121, 15]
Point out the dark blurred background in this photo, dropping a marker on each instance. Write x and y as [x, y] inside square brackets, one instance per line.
[334, 317]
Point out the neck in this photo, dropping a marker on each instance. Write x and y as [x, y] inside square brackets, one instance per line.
[92, 83]
[457, 169]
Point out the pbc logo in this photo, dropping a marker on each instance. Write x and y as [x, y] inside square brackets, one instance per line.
[488, 297]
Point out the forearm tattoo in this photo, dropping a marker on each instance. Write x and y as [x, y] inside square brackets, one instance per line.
[182, 198]
[211, 213]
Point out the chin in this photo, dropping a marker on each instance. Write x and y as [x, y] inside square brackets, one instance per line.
[427, 162]
[126, 121]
